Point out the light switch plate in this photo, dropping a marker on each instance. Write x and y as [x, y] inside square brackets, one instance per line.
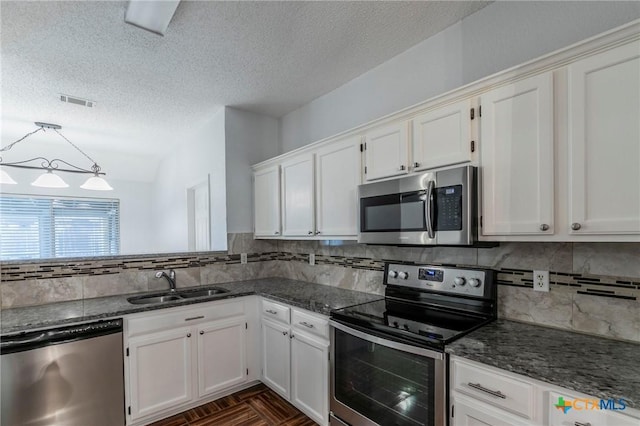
[312, 258]
[243, 258]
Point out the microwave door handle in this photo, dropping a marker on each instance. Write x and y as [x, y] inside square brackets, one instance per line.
[428, 207]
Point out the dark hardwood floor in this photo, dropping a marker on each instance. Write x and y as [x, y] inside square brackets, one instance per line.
[256, 406]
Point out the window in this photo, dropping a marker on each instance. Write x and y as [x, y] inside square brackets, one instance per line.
[33, 227]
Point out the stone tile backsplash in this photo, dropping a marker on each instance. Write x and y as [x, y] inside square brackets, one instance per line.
[595, 287]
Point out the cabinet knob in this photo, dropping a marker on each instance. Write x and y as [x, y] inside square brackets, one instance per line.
[575, 226]
[291, 336]
[317, 232]
[276, 233]
[416, 164]
[284, 333]
[188, 334]
[310, 232]
[201, 332]
[544, 227]
[402, 167]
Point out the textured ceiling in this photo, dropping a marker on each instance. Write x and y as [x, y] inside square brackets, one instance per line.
[267, 57]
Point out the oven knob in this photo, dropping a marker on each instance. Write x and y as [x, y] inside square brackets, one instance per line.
[393, 274]
[395, 324]
[406, 326]
[459, 281]
[403, 275]
[474, 282]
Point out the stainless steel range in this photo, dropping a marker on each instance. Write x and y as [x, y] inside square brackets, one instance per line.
[388, 365]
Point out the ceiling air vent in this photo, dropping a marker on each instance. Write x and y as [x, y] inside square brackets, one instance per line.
[77, 101]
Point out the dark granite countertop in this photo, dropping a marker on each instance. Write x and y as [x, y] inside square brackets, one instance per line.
[314, 297]
[599, 367]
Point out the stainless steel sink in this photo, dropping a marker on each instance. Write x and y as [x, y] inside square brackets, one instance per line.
[143, 300]
[188, 294]
[178, 295]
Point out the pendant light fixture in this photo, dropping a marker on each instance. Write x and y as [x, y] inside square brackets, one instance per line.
[49, 179]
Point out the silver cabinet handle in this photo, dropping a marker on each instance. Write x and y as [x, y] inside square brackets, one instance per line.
[489, 391]
[271, 311]
[188, 334]
[575, 226]
[194, 318]
[284, 333]
[581, 424]
[544, 227]
[201, 332]
[416, 164]
[402, 167]
[306, 324]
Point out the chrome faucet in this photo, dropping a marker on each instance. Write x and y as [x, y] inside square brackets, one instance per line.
[171, 277]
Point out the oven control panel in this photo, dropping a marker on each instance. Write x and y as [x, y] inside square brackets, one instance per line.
[470, 282]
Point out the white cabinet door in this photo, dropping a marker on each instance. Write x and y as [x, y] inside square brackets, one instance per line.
[517, 157]
[276, 357]
[442, 137]
[160, 371]
[221, 355]
[266, 202]
[604, 142]
[337, 179]
[386, 152]
[310, 376]
[297, 193]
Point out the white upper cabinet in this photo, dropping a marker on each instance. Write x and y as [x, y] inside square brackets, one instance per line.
[338, 174]
[516, 157]
[604, 142]
[442, 136]
[266, 202]
[298, 197]
[386, 151]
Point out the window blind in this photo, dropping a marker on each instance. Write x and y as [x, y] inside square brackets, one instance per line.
[48, 227]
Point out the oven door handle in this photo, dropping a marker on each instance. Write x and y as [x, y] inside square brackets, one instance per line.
[388, 343]
[428, 209]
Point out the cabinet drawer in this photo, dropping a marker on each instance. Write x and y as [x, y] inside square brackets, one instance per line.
[494, 388]
[310, 323]
[275, 311]
[192, 314]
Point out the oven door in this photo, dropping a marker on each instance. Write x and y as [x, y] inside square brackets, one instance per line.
[375, 381]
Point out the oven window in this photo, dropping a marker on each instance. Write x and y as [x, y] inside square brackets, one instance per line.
[388, 386]
[389, 213]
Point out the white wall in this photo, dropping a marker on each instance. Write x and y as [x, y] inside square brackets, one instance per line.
[197, 155]
[250, 138]
[135, 204]
[501, 35]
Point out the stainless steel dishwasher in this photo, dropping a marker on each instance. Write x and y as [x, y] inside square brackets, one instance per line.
[66, 376]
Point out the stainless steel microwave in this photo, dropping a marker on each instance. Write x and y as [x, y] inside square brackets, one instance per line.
[431, 208]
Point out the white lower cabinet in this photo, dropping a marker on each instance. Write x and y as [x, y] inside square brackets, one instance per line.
[276, 357]
[160, 371]
[222, 353]
[183, 357]
[310, 375]
[295, 357]
[484, 395]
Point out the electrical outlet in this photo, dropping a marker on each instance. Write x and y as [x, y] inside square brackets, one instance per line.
[541, 281]
[312, 259]
[243, 258]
